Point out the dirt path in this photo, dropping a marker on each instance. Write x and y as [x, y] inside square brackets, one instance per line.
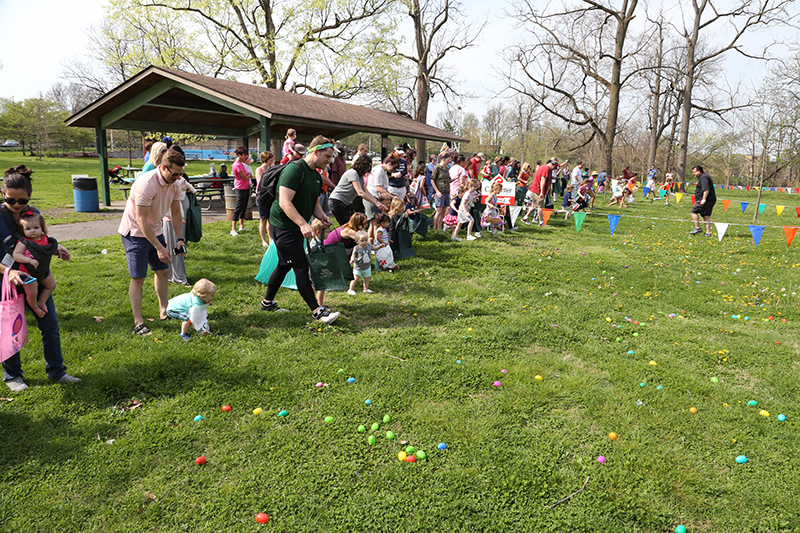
[108, 226]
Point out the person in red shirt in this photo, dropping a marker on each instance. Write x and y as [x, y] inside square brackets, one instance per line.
[475, 165]
[539, 188]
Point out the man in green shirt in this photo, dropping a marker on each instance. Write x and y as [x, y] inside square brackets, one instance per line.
[299, 187]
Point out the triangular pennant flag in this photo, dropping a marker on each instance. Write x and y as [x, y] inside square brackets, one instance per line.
[722, 186]
[661, 193]
[694, 199]
[646, 190]
[725, 204]
[678, 196]
[744, 205]
[748, 188]
[790, 232]
[546, 215]
[722, 227]
[797, 190]
[761, 208]
[780, 189]
[613, 220]
[513, 212]
[771, 188]
[797, 210]
[579, 218]
[779, 209]
[756, 232]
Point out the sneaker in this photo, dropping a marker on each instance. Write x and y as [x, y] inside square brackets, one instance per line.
[514, 227]
[470, 238]
[367, 291]
[67, 379]
[16, 384]
[707, 235]
[540, 223]
[525, 220]
[456, 239]
[234, 233]
[185, 337]
[695, 231]
[273, 307]
[351, 292]
[494, 231]
[242, 229]
[477, 234]
[324, 314]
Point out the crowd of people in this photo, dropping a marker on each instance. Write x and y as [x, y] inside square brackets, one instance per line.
[369, 202]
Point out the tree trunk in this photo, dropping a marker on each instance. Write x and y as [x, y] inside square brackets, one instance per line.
[654, 116]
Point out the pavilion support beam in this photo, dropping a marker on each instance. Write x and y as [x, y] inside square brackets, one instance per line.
[264, 122]
[144, 125]
[384, 146]
[102, 151]
[108, 120]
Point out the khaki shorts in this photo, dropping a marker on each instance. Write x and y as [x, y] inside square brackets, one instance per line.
[537, 200]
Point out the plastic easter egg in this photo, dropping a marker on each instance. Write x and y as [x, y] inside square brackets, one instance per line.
[752, 403]
[652, 363]
[693, 410]
[368, 402]
[411, 459]
[401, 456]
[612, 436]
[764, 413]
[198, 418]
[441, 446]
[715, 379]
[421, 455]
[389, 435]
[362, 429]
[375, 426]
[660, 387]
[200, 460]
[262, 518]
[319, 384]
[537, 377]
[410, 450]
[351, 380]
[643, 384]
[329, 419]
[680, 529]
[371, 439]
[504, 371]
[635, 334]
[601, 459]
[619, 339]
[741, 459]
[226, 408]
[257, 411]
[387, 419]
[283, 413]
[458, 361]
[631, 352]
[781, 418]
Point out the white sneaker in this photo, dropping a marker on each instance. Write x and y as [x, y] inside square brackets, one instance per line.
[514, 227]
[525, 220]
[470, 238]
[16, 384]
[477, 234]
[367, 291]
[325, 315]
[456, 239]
[234, 233]
[242, 229]
[351, 292]
[66, 378]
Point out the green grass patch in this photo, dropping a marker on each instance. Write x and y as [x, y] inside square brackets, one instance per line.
[426, 349]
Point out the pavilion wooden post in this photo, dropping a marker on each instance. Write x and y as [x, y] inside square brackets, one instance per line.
[265, 140]
[384, 147]
[102, 151]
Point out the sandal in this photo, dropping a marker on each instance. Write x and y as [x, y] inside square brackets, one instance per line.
[141, 329]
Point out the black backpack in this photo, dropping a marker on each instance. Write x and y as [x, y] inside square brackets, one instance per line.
[268, 185]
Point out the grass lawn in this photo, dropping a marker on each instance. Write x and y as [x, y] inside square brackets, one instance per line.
[426, 350]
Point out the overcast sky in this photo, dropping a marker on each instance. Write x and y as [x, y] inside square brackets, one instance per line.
[38, 36]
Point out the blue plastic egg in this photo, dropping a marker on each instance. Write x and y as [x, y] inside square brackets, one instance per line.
[441, 446]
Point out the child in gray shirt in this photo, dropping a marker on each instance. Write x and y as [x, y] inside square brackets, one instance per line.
[361, 262]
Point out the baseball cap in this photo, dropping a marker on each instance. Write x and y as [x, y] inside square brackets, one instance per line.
[300, 149]
[399, 149]
[480, 156]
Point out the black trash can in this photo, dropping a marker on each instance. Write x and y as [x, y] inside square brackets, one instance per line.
[84, 193]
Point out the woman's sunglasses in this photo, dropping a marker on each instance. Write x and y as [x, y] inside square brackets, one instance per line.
[12, 201]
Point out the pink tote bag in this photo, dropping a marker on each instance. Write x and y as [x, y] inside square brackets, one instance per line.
[13, 327]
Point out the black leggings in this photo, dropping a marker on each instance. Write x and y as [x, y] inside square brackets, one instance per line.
[341, 211]
[242, 197]
[302, 277]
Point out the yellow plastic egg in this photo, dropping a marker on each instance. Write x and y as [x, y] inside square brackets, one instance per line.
[401, 456]
[537, 377]
[257, 411]
[763, 413]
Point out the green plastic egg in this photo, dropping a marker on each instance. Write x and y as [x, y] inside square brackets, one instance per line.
[361, 429]
[410, 450]
[387, 419]
[389, 435]
[421, 455]
[371, 439]
[328, 419]
[375, 426]
[283, 413]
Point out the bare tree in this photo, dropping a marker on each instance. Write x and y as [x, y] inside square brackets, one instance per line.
[574, 67]
[739, 17]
